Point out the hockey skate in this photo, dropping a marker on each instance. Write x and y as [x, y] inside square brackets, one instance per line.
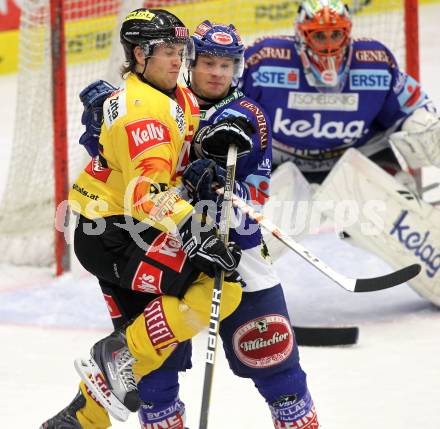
[108, 374]
[66, 418]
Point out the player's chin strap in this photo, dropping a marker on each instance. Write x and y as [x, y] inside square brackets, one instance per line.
[214, 324]
[349, 284]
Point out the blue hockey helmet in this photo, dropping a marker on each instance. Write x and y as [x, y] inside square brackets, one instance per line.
[219, 40]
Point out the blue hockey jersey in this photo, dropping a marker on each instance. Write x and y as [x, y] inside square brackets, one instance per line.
[314, 128]
[252, 174]
[252, 179]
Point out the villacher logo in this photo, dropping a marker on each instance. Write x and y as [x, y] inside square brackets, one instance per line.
[264, 342]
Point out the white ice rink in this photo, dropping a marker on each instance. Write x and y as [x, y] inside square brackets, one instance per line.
[389, 380]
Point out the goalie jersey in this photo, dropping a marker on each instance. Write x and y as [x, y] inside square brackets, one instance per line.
[314, 128]
[144, 148]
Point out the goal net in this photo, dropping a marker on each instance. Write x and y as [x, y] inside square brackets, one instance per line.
[92, 51]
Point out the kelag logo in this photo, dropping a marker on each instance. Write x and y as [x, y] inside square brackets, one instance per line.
[276, 77]
[417, 243]
[366, 80]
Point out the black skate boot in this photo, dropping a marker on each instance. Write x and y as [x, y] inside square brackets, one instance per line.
[108, 374]
[66, 418]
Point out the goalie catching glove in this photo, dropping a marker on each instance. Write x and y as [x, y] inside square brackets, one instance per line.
[419, 140]
[93, 97]
[213, 141]
[207, 252]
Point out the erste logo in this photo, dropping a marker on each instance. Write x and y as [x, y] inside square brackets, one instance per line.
[276, 77]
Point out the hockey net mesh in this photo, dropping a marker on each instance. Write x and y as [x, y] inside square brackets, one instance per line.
[93, 52]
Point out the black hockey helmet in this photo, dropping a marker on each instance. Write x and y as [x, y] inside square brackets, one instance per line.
[150, 27]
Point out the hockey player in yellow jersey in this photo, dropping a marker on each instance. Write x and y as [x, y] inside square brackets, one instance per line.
[153, 255]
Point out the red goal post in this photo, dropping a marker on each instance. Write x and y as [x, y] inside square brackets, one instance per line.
[66, 44]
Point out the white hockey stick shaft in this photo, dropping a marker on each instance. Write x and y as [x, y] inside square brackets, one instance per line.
[347, 283]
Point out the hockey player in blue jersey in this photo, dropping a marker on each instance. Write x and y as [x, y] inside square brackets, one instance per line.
[258, 339]
[343, 105]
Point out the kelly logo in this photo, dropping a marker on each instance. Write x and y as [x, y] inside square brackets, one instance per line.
[145, 134]
[276, 77]
[417, 243]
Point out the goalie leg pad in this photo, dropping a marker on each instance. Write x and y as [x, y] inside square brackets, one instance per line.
[389, 220]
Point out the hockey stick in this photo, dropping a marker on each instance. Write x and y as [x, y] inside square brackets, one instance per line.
[214, 324]
[350, 284]
[322, 336]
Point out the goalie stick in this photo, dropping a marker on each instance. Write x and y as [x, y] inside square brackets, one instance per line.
[349, 284]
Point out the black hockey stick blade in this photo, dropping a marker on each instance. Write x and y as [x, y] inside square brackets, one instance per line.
[326, 336]
[388, 280]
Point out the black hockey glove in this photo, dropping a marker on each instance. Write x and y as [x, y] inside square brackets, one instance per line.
[199, 178]
[213, 141]
[207, 252]
[92, 98]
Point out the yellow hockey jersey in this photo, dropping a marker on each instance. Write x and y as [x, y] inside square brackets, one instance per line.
[144, 148]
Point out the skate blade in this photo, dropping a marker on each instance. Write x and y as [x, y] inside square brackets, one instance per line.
[92, 376]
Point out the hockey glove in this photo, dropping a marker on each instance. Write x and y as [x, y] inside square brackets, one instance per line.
[200, 178]
[213, 141]
[419, 139]
[207, 252]
[93, 97]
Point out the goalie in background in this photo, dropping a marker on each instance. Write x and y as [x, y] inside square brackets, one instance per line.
[327, 94]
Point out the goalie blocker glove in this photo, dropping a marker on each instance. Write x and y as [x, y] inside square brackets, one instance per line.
[92, 98]
[419, 140]
[213, 141]
[207, 252]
